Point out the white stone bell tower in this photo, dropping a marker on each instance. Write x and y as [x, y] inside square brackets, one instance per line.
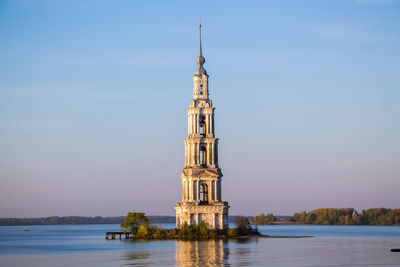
[201, 176]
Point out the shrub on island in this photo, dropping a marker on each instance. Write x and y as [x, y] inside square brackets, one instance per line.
[243, 227]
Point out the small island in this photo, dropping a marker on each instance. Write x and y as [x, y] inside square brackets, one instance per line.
[137, 226]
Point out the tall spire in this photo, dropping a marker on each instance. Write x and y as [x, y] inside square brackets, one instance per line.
[200, 60]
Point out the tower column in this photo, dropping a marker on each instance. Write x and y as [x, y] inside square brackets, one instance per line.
[209, 196]
[209, 155]
[193, 124]
[197, 190]
[189, 125]
[212, 124]
[209, 124]
[193, 154]
[196, 127]
[215, 192]
[187, 153]
[190, 191]
[194, 190]
[187, 191]
[212, 154]
[183, 190]
[196, 156]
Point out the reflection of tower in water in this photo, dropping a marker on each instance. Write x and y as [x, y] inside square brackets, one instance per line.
[201, 253]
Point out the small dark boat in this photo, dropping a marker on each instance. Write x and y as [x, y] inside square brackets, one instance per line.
[395, 250]
[26, 230]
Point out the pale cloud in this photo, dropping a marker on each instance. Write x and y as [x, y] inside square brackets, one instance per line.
[377, 2]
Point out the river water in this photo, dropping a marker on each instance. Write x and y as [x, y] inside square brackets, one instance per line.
[85, 245]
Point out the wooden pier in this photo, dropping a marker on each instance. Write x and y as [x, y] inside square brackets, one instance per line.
[112, 235]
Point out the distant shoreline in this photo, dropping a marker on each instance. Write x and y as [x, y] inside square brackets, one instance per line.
[72, 220]
[81, 220]
[273, 236]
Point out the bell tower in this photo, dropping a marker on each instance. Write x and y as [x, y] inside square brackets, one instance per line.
[201, 176]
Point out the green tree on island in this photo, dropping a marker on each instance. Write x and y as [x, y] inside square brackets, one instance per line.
[134, 220]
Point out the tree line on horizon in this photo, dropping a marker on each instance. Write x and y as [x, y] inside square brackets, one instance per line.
[337, 216]
[67, 220]
[263, 219]
[327, 216]
[348, 216]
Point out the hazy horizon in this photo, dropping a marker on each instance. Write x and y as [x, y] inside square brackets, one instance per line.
[159, 215]
[93, 99]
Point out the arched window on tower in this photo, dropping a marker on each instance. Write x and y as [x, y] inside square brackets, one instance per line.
[201, 88]
[202, 125]
[203, 153]
[204, 193]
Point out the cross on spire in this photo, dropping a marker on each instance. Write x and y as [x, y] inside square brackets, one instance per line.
[200, 60]
[200, 52]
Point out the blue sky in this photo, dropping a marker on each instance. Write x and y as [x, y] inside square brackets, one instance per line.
[93, 98]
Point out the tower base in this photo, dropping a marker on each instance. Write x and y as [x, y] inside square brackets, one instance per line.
[214, 214]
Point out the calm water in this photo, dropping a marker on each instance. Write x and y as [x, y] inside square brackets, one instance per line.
[85, 245]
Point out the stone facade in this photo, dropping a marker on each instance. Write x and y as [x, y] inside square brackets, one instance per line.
[201, 176]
